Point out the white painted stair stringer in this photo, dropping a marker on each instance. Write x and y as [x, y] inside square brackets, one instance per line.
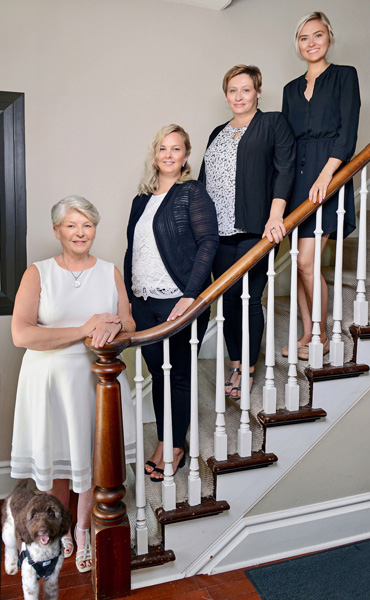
[197, 543]
[288, 533]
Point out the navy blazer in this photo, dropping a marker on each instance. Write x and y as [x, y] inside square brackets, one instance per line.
[265, 168]
[186, 234]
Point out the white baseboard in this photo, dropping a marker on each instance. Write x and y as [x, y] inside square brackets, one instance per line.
[289, 533]
[6, 482]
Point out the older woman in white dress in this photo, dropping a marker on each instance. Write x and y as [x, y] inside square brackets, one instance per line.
[60, 302]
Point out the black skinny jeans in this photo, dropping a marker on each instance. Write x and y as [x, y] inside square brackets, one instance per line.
[151, 312]
[230, 249]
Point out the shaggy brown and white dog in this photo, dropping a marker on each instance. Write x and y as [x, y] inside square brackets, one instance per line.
[32, 527]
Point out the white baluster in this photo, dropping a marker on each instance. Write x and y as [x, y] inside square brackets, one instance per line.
[168, 484]
[141, 526]
[194, 481]
[316, 347]
[244, 432]
[292, 387]
[360, 305]
[336, 344]
[269, 389]
[220, 437]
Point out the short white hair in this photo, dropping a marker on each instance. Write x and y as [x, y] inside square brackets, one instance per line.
[314, 16]
[60, 209]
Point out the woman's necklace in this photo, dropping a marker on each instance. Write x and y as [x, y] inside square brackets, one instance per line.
[77, 283]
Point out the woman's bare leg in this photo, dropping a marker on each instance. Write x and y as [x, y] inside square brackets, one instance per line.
[306, 313]
[60, 490]
[306, 247]
[84, 510]
[85, 505]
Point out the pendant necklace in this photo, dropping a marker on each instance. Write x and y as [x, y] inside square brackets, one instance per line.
[76, 283]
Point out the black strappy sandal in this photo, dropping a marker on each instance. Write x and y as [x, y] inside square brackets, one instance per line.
[239, 387]
[228, 380]
[149, 463]
[161, 471]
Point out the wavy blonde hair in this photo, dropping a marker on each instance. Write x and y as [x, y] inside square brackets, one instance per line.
[149, 182]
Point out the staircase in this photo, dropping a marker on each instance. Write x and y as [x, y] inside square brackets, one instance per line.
[215, 532]
[242, 489]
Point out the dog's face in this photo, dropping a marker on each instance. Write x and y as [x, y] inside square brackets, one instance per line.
[43, 520]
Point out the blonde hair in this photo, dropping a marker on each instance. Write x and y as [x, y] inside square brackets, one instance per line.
[60, 209]
[314, 16]
[253, 72]
[150, 183]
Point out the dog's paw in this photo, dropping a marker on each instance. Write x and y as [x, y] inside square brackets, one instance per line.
[11, 566]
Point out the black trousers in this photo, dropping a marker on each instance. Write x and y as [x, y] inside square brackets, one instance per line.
[151, 312]
[230, 249]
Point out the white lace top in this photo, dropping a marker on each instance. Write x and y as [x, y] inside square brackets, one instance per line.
[149, 275]
[220, 164]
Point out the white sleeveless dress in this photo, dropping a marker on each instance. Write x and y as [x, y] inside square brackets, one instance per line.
[53, 434]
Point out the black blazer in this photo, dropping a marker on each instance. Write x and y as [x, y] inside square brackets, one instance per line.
[265, 167]
[186, 234]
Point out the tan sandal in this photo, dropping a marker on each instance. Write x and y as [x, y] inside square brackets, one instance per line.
[285, 350]
[304, 350]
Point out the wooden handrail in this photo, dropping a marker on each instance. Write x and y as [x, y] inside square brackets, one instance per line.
[110, 531]
[234, 273]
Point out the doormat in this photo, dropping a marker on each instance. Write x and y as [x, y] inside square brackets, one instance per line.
[337, 574]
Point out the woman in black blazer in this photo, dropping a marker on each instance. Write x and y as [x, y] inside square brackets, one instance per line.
[323, 108]
[172, 239]
[248, 170]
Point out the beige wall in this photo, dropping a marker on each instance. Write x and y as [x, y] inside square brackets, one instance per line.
[337, 467]
[101, 76]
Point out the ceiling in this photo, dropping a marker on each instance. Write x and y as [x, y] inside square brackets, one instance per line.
[212, 4]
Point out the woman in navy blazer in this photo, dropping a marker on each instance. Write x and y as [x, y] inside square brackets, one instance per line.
[248, 170]
[172, 238]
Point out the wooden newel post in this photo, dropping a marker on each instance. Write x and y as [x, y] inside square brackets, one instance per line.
[110, 529]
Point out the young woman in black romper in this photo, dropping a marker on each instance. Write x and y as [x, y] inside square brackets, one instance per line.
[322, 107]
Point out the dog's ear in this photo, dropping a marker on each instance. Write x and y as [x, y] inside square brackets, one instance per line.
[23, 518]
[3, 513]
[66, 522]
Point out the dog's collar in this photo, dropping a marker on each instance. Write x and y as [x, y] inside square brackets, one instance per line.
[43, 568]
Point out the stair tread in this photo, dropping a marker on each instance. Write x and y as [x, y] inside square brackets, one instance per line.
[185, 512]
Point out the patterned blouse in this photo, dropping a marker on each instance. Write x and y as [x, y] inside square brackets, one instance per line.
[220, 165]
